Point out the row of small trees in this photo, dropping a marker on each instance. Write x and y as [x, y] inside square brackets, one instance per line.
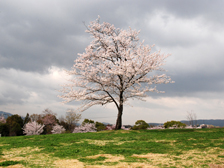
[45, 123]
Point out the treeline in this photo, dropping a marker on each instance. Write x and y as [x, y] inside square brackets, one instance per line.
[14, 125]
[48, 123]
[45, 123]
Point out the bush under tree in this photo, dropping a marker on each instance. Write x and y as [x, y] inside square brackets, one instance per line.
[100, 126]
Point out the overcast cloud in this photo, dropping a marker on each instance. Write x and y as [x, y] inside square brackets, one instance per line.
[41, 38]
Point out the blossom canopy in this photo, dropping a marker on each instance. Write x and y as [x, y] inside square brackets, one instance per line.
[113, 68]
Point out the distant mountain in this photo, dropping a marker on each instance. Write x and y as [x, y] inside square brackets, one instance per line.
[155, 124]
[105, 123]
[219, 123]
[5, 114]
[214, 122]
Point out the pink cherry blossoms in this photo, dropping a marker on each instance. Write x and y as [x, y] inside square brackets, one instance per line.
[58, 129]
[114, 68]
[2, 119]
[88, 127]
[33, 128]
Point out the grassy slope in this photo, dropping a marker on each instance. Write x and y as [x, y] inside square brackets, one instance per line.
[146, 148]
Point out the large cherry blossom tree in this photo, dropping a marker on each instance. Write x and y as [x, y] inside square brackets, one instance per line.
[115, 66]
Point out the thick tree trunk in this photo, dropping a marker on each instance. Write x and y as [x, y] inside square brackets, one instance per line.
[119, 118]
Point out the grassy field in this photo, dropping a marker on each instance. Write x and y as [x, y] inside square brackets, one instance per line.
[145, 148]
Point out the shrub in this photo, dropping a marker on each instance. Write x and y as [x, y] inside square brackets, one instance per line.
[87, 121]
[100, 126]
[4, 129]
[177, 124]
[140, 124]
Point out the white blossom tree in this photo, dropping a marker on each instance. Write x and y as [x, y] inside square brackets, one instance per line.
[113, 68]
[2, 119]
[87, 127]
[58, 129]
[33, 128]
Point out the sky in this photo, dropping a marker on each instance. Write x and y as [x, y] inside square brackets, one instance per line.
[39, 40]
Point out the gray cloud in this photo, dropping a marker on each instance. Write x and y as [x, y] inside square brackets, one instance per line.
[39, 35]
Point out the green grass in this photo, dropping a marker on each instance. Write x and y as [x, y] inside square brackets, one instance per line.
[8, 163]
[162, 148]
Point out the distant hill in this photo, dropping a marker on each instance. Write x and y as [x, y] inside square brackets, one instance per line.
[105, 123]
[214, 122]
[5, 114]
[155, 124]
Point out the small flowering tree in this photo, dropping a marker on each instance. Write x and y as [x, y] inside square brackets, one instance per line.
[2, 119]
[49, 121]
[114, 68]
[58, 129]
[88, 127]
[33, 128]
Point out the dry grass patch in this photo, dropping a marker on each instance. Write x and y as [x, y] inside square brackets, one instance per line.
[99, 142]
[15, 166]
[65, 144]
[165, 141]
[170, 141]
[103, 142]
[65, 163]
[123, 131]
[215, 166]
[124, 165]
[29, 156]
[15, 152]
[189, 158]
